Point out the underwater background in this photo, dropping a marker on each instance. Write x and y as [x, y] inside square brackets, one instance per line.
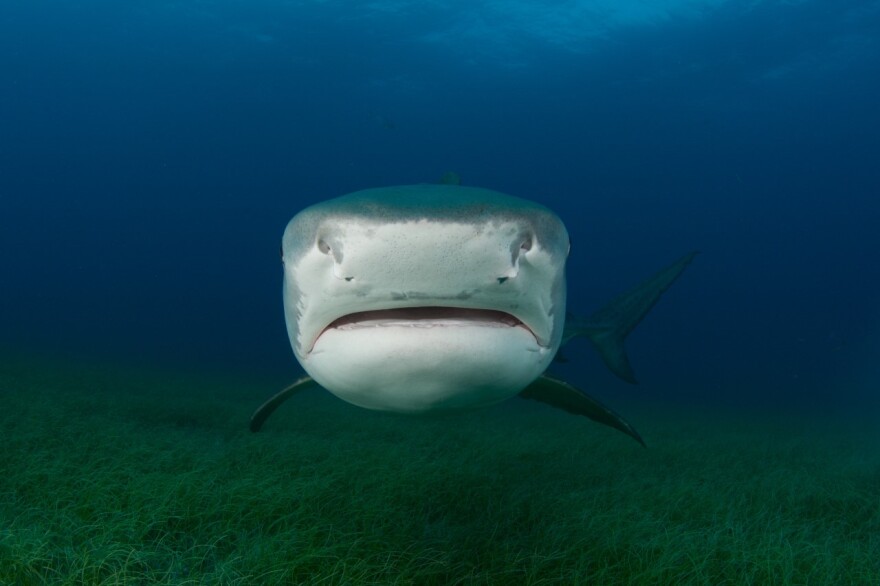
[151, 154]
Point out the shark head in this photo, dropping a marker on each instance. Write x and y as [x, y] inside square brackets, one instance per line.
[425, 297]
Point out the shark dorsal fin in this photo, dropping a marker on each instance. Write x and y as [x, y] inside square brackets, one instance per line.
[450, 178]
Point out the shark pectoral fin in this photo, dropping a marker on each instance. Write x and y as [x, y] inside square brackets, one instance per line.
[608, 327]
[559, 393]
[266, 409]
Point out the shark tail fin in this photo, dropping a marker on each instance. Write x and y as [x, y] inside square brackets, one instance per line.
[608, 327]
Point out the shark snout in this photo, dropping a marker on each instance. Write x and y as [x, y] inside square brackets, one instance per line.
[404, 260]
[434, 251]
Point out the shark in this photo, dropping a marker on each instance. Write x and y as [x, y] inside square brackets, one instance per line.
[437, 298]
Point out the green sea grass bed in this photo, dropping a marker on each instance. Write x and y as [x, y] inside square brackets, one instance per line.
[121, 476]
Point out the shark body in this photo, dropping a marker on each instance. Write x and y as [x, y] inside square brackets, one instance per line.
[426, 298]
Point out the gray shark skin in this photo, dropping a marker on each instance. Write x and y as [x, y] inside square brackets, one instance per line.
[441, 298]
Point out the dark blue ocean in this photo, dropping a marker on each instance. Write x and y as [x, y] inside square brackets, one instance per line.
[151, 154]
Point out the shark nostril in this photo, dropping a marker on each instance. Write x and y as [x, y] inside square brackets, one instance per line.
[520, 246]
[502, 279]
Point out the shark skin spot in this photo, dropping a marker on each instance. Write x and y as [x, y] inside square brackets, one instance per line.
[420, 295]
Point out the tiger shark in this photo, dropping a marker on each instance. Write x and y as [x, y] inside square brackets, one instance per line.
[440, 298]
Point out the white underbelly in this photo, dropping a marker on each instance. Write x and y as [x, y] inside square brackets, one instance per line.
[423, 367]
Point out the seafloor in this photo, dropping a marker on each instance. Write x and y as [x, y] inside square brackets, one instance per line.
[123, 476]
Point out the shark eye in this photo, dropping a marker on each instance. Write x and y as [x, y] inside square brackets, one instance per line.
[323, 246]
[526, 244]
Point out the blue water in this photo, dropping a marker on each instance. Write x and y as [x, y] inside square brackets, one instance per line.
[151, 154]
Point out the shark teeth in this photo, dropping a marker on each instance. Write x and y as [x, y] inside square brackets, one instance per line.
[426, 317]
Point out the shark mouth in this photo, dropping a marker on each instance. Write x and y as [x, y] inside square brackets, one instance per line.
[427, 317]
